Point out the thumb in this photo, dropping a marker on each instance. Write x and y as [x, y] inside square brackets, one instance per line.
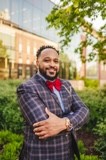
[48, 112]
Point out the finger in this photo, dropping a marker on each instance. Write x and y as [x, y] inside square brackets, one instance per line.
[38, 124]
[40, 134]
[44, 136]
[48, 112]
[39, 129]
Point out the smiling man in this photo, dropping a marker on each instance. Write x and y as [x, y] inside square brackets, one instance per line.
[48, 63]
[51, 109]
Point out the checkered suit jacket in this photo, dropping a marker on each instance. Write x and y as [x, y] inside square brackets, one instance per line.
[33, 97]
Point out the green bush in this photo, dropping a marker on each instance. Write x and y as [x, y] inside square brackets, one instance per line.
[95, 99]
[83, 150]
[91, 83]
[100, 144]
[10, 145]
[11, 118]
[88, 157]
[10, 115]
[81, 147]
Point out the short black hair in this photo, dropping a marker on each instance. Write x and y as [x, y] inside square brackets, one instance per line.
[45, 47]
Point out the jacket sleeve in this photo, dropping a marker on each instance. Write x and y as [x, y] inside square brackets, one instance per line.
[80, 113]
[31, 105]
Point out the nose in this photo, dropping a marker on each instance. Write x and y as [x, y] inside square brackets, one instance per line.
[52, 64]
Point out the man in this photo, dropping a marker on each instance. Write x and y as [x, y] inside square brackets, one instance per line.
[51, 111]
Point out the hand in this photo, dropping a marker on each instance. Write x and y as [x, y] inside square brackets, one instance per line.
[50, 127]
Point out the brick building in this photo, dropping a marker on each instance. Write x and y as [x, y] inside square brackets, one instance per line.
[23, 29]
[21, 50]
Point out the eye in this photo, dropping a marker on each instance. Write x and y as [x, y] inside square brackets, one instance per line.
[46, 60]
[56, 61]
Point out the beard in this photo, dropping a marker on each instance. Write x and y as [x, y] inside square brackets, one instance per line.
[44, 74]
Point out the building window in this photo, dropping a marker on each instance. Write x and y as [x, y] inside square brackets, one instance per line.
[34, 51]
[20, 47]
[20, 71]
[28, 49]
[27, 72]
[28, 61]
[20, 61]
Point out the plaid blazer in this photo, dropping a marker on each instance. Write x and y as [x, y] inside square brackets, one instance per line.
[33, 97]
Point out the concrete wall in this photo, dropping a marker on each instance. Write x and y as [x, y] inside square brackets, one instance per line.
[77, 84]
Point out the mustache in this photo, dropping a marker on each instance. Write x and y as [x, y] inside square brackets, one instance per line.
[52, 68]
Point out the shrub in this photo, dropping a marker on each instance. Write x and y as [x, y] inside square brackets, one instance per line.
[96, 102]
[88, 157]
[81, 147]
[10, 145]
[91, 83]
[10, 115]
[11, 119]
[100, 144]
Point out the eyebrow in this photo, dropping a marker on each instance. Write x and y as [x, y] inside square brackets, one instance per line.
[50, 58]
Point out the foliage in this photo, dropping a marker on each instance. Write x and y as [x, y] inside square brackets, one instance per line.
[11, 119]
[101, 131]
[10, 144]
[96, 101]
[70, 18]
[91, 83]
[88, 157]
[65, 65]
[68, 68]
[64, 58]
[10, 116]
[3, 52]
[100, 144]
[81, 147]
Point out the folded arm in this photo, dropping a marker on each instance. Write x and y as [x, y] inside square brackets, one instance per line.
[80, 113]
[36, 114]
[31, 106]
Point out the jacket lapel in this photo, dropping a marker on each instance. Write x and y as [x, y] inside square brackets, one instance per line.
[49, 97]
[55, 98]
[65, 94]
[46, 91]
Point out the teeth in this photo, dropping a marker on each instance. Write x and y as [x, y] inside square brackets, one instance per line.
[52, 70]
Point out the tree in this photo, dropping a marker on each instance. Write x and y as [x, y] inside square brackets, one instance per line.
[3, 49]
[69, 18]
[67, 67]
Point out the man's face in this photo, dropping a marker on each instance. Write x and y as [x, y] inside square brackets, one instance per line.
[48, 63]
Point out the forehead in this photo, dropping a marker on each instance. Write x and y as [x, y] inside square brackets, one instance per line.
[49, 52]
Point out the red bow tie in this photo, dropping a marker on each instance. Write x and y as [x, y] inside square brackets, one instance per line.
[56, 84]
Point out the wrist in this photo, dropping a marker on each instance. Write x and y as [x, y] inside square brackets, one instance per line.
[68, 124]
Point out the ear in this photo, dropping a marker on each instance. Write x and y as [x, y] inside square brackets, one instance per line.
[37, 63]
